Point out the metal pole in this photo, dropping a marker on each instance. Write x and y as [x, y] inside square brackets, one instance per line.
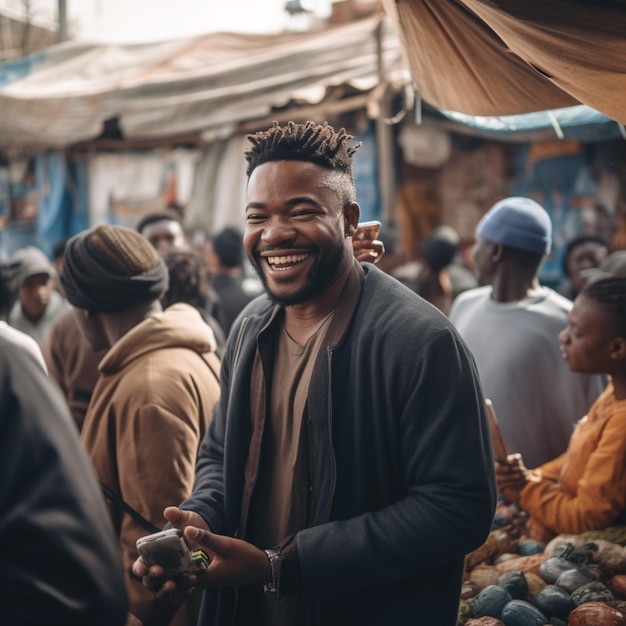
[62, 29]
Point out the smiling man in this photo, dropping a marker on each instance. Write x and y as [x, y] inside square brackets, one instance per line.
[349, 453]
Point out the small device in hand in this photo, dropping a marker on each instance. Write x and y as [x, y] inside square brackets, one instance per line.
[169, 549]
[367, 231]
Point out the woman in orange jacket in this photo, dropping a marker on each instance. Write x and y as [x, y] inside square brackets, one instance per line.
[584, 488]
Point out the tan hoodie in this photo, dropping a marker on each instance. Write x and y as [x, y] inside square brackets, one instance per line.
[148, 415]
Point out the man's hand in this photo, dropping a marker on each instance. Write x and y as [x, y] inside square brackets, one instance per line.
[364, 244]
[153, 577]
[370, 250]
[233, 562]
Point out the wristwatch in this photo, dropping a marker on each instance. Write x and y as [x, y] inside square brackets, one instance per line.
[274, 559]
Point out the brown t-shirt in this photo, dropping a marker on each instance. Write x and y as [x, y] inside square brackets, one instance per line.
[281, 499]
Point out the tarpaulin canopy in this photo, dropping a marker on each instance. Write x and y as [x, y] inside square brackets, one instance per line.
[579, 122]
[504, 57]
[209, 83]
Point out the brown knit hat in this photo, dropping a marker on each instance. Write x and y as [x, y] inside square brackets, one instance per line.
[112, 268]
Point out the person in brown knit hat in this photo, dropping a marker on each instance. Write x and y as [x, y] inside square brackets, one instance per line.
[155, 395]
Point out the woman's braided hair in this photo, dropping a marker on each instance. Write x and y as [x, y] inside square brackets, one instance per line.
[610, 293]
[317, 143]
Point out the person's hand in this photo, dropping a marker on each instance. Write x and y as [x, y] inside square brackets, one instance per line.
[511, 476]
[152, 577]
[233, 562]
[370, 250]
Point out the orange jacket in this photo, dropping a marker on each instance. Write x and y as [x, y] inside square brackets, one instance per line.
[584, 488]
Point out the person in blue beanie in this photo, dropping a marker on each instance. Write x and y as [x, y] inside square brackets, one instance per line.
[512, 324]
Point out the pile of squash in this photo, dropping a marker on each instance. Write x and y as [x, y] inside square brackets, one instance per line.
[572, 580]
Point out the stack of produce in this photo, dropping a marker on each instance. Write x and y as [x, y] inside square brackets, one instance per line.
[572, 580]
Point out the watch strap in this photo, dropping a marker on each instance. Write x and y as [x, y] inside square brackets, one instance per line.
[272, 588]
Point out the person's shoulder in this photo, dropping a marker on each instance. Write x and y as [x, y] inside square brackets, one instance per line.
[379, 289]
[20, 351]
[12, 338]
[470, 300]
[257, 308]
[474, 294]
[394, 305]
[557, 300]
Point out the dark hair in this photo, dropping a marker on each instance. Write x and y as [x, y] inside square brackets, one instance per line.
[228, 246]
[439, 248]
[58, 250]
[574, 243]
[188, 278]
[317, 143]
[609, 293]
[9, 287]
[158, 216]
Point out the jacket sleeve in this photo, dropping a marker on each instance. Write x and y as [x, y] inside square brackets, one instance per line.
[59, 562]
[207, 497]
[448, 503]
[601, 491]
[551, 470]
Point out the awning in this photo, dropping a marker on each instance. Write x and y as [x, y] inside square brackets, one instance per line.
[206, 84]
[505, 57]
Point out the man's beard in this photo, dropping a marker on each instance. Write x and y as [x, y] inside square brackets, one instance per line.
[317, 281]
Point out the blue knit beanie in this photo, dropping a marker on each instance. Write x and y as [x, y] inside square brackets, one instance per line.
[519, 223]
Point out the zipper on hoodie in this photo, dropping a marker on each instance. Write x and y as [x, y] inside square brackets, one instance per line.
[333, 464]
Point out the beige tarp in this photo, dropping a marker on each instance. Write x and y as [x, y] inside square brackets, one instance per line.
[503, 57]
[207, 84]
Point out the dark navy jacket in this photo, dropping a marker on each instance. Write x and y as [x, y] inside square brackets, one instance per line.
[402, 469]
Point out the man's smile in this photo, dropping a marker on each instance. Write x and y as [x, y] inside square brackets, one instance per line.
[286, 261]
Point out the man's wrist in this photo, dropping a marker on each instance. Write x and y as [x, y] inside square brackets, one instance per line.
[273, 587]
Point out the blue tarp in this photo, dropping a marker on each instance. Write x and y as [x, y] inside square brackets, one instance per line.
[580, 122]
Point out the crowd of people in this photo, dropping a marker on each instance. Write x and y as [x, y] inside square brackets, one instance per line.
[324, 441]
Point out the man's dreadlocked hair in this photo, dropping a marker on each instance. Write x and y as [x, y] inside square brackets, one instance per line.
[610, 293]
[317, 143]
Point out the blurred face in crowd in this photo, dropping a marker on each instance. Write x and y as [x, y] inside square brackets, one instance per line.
[164, 235]
[583, 257]
[34, 296]
[211, 259]
[588, 340]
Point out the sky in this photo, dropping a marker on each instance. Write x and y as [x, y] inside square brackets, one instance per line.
[140, 21]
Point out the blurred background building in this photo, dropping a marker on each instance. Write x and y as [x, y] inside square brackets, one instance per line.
[101, 131]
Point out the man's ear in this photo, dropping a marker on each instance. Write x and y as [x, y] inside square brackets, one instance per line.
[351, 215]
[498, 252]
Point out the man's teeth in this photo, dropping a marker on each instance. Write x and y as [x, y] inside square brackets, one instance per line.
[280, 262]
